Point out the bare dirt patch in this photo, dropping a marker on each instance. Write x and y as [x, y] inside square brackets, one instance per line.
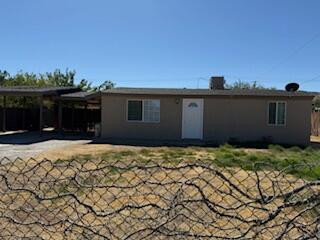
[84, 149]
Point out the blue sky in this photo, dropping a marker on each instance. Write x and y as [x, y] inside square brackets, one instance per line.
[165, 43]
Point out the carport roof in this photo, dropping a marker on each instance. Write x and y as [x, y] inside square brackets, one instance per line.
[80, 96]
[36, 91]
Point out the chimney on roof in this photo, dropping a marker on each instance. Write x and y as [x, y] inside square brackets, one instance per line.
[217, 83]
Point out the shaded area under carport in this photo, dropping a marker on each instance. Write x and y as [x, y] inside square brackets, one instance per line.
[79, 111]
[48, 93]
[71, 108]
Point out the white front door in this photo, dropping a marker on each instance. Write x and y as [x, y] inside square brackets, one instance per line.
[192, 118]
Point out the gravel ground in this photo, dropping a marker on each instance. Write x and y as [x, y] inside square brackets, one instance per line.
[29, 144]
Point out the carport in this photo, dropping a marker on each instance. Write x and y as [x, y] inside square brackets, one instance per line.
[47, 93]
[79, 110]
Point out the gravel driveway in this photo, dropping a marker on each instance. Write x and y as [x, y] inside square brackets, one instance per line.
[30, 144]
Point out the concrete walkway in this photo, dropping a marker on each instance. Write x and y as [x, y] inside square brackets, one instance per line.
[29, 144]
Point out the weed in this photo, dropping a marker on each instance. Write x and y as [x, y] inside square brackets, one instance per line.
[276, 148]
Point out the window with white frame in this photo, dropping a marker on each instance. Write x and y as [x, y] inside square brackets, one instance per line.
[144, 110]
[277, 113]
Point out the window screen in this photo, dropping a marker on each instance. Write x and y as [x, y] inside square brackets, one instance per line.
[134, 110]
[151, 110]
[281, 113]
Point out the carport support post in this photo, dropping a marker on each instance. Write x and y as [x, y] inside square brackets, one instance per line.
[24, 114]
[4, 118]
[72, 118]
[86, 117]
[41, 114]
[60, 116]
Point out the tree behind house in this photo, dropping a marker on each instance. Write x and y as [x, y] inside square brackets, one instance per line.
[57, 78]
[246, 85]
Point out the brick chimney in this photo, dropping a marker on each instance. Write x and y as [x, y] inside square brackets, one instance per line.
[217, 83]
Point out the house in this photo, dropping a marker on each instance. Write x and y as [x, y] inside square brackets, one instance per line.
[214, 115]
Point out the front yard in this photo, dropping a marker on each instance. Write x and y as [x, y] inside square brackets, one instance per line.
[122, 192]
[303, 163]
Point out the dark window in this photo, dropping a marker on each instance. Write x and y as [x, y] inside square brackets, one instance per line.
[277, 113]
[134, 110]
[272, 113]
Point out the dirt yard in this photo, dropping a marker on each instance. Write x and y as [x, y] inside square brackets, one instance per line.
[26, 145]
[120, 195]
[83, 187]
[83, 148]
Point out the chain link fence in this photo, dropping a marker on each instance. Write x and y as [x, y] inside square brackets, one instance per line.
[93, 199]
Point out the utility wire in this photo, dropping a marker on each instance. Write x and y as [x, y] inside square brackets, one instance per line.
[312, 79]
[299, 49]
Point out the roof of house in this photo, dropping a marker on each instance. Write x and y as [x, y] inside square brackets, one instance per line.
[208, 92]
[36, 91]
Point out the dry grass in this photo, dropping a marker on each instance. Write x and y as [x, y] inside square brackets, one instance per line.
[98, 149]
[100, 185]
[83, 149]
[275, 156]
[95, 166]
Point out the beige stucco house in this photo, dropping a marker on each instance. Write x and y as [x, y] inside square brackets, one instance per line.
[214, 115]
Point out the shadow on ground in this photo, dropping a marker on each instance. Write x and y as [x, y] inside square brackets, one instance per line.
[190, 143]
[26, 138]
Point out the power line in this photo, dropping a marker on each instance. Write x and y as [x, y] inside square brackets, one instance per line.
[312, 79]
[304, 45]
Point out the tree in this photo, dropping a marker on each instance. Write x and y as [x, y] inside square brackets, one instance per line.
[3, 76]
[85, 85]
[316, 101]
[59, 79]
[104, 86]
[49, 79]
[246, 85]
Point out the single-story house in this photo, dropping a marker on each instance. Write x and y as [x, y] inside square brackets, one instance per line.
[214, 115]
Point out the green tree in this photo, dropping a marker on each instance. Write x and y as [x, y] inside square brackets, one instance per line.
[53, 79]
[57, 78]
[85, 85]
[246, 85]
[4, 75]
[104, 86]
[316, 101]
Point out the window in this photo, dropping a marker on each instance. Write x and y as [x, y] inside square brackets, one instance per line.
[193, 104]
[135, 110]
[144, 110]
[277, 113]
[151, 110]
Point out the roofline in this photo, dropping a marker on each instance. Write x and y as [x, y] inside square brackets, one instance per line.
[86, 98]
[289, 95]
[7, 91]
